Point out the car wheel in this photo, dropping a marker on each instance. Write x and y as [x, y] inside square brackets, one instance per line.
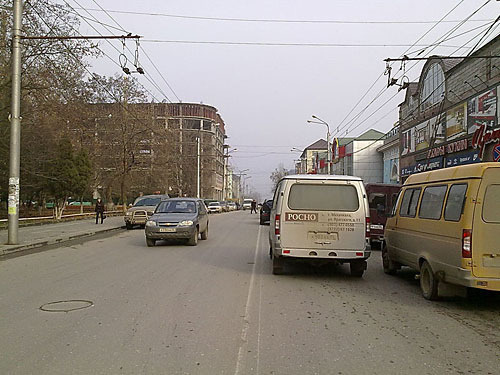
[204, 235]
[262, 222]
[390, 267]
[129, 226]
[270, 252]
[150, 242]
[358, 268]
[278, 265]
[428, 282]
[193, 241]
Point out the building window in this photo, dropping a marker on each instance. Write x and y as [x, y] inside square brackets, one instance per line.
[433, 86]
[207, 125]
[191, 124]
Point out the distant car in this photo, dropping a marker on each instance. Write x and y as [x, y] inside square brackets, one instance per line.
[76, 203]
[178, 218]
[143, 208]
[224, 205]
[265, 211]
[232, 206]
[247, 204]
[214, 207]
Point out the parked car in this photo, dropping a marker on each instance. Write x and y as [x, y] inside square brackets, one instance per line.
[446, 225]
[320, 219]
[214, 207]
[77, 203]
[247, 204]
[232, 206]
[178, 218]
[224, 205]
[381, 198]
[265, 211]
[142, 209]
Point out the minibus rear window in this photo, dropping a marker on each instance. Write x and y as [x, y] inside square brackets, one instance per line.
[323, 197]
[491, 204]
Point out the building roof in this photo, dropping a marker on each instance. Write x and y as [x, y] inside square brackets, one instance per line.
[370, 135]
[344, 141]
[320, 144]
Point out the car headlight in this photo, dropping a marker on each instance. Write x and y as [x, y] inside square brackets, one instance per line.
[128, 213]
[151, 223]
[186, 223]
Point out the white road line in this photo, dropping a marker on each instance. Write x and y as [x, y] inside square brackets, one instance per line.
[246, 321]
[259, 319]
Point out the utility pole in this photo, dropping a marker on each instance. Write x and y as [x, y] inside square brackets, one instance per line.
[15, 126]
[198, 169]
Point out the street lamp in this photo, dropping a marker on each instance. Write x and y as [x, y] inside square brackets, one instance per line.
[328, 151]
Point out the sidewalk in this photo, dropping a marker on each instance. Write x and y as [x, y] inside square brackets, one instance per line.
[48, 234]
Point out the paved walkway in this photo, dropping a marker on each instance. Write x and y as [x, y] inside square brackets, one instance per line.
[49, 234]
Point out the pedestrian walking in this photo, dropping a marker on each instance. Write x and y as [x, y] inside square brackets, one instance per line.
[253, 207]
[99, 210]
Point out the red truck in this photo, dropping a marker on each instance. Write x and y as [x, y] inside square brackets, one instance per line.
[381, 198]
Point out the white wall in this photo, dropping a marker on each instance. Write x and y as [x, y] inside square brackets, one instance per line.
[368, 163]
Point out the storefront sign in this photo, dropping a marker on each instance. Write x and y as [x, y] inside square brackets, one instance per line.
[450, 148]
[425, 165]
[482, 137]
[466, 158]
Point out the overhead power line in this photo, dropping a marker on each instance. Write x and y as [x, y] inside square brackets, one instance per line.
[275, 44]
[269, 20]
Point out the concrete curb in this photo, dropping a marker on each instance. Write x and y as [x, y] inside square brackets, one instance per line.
[11, 249]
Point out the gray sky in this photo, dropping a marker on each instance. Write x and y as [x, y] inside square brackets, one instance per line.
[266, 94]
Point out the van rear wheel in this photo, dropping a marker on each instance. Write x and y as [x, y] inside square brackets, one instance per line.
[390, 267]
[358, 268]
[278, 265]
[428, 282]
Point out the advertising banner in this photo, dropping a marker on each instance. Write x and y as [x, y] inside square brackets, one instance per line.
[408, 143]
[481, 110]
[456, 122]
[462, 159]
[422, 166]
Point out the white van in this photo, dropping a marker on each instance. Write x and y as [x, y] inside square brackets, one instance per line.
[320, 218]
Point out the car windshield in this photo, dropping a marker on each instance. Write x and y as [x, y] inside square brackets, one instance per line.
[214, 204]
[178, 206]
[147, 202]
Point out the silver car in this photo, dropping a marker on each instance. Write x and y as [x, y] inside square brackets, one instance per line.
[142, 209]
[178, 218]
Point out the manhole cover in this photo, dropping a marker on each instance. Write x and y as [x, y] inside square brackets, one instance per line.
[66, 306]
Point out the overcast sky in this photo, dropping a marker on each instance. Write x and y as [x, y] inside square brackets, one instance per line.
[265, 94]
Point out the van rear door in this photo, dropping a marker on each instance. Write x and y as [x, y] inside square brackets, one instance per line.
[324, 215]
[486, 226]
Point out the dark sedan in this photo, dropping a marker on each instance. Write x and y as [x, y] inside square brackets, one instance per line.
[178, 218]
[265, 211]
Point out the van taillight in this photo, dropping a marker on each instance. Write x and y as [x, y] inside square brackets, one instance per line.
[467, 243]
[367, 227]
[277, 224]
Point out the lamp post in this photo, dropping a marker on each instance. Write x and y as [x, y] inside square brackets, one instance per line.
[328, 151]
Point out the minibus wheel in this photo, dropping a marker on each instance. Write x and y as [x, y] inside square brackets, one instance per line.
[278, 265]
[390, 267]
[428, 282]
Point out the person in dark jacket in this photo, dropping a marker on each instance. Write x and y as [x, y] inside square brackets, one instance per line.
[99, 210]
[253, 207]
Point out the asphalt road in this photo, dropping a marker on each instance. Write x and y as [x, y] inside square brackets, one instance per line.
[217, 309]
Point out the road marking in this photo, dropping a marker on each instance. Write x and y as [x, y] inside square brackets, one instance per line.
[246, 321]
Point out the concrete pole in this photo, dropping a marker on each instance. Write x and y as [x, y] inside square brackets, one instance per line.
[15, 126]
[329, 151]
[198, 169]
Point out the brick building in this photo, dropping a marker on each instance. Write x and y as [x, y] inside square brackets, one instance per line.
[450, 116]
[152, 147]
